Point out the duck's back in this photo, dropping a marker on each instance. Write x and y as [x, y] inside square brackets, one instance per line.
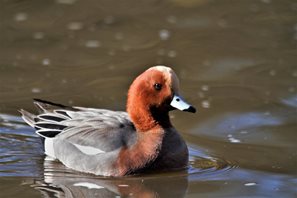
[84, 139]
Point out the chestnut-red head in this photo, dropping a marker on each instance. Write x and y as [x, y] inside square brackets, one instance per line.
[152, 95]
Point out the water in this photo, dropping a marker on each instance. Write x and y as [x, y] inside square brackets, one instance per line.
[237, 64]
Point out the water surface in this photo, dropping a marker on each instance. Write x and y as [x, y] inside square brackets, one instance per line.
[237, 64]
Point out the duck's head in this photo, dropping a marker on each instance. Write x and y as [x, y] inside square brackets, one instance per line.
[156, 91]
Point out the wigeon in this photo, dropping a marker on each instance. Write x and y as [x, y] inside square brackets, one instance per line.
[116, 143]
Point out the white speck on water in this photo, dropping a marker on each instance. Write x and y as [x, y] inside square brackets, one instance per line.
[35, 90]
[109, 20]
[69, 2]
[164, 34]
[171, 19]
[205, 104]
[294, 74]
[46, 61]
[75, 26]
[250, 184]
[204, 87]
[38, 35]
[232, 139]
[172, 54]
[21, 17]
[272, 72]
[93, 44]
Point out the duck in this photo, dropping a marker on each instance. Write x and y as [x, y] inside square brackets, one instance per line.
[117, 143]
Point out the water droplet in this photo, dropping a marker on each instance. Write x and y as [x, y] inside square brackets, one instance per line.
[38, 35]
[46, 61]
[21, 17]
[250, 184]
[172, 54]
[204, 87]
[36, 90]
[205, 104]
[75, 26]
[164, 34]
[92, 44]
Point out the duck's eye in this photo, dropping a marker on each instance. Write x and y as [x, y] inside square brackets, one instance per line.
[157, 86]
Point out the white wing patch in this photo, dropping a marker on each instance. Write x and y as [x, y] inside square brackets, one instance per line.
[88, 185]
[89, 150]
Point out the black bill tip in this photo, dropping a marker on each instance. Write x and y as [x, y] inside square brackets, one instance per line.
[190, 109]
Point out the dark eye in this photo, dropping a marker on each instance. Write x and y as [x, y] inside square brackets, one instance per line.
[157, 86]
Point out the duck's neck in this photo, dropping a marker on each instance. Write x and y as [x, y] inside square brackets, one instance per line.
[147, 118]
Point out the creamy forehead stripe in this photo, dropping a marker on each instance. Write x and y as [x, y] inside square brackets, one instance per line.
[170, 76]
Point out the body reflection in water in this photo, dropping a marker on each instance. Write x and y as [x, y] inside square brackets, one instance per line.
[60, 181]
